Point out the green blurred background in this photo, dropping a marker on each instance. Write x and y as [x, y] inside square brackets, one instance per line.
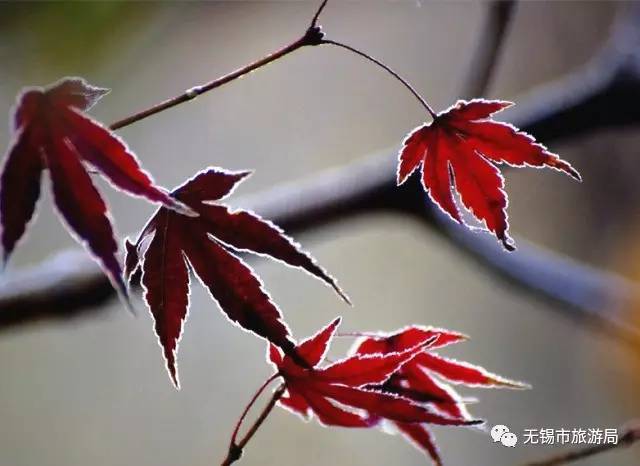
[95, 391]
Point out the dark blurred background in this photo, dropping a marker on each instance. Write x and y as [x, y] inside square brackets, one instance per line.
[94, 391]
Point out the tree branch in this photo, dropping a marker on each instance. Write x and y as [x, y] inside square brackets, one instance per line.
[312, 36]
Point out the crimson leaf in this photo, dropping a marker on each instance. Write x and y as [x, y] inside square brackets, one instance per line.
[209, 244]
[458, 152]
[345, 393]
[52, 132]
[423, 379]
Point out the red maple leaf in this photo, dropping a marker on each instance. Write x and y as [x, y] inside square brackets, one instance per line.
[52, 132]
[170, 243]
[459, 151]
[348, 393]
[423, 379]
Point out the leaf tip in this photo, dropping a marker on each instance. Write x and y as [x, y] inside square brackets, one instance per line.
[568, 169]
[102, 90]
[243, 174]
[575, 174]
[565, 167]
[344, 296]
[505, 383]
[400, 178]
[169, 356]
[508, 244]
[174, 377]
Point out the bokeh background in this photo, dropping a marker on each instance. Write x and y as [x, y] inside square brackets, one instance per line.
[95, 391]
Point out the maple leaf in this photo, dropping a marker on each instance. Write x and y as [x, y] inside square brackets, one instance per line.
[423, 379]
[459, 151]
[345, 393]
[171, 243]
[52, 132]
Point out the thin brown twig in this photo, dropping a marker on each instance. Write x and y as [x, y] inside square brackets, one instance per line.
[630, 435]
[312, 36]
[235, 450]
[194, 92]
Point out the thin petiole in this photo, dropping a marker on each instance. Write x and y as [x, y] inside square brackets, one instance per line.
[314, 20]
[404, 82]
[243, 416]
[236, 447]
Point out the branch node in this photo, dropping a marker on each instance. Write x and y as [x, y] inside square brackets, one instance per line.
[193, 92]
[314, 35]
[235, 453]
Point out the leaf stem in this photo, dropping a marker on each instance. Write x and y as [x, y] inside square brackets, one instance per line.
[236, 448]
[404, 82]
[312, 36]
[314, 20]
[250, 405]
